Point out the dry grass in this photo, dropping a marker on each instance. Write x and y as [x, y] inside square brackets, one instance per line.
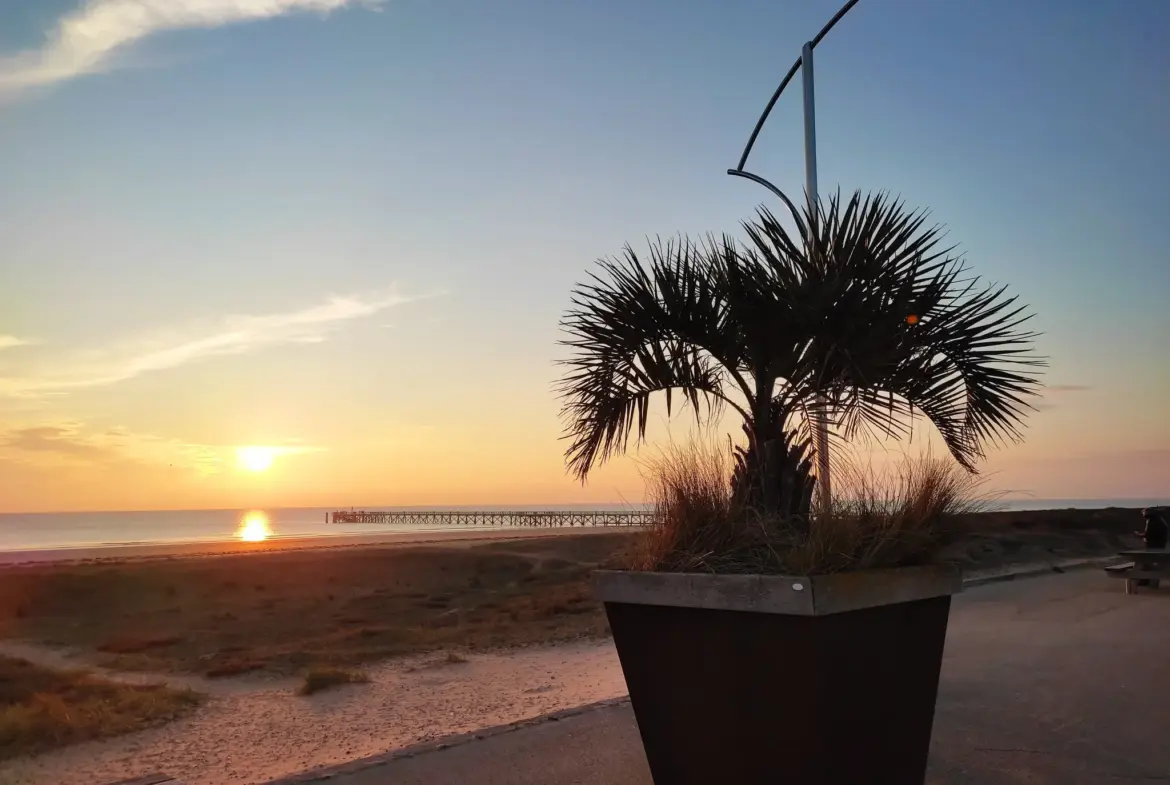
[324, 677]
[896, 519]
[233, 667]
[448, 659]
[135, 645]
[700, 528]
[900, 517]
[41, 708]
[285, 612]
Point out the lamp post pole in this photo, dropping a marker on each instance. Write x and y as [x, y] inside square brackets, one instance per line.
[805, 64]
[810, 126]
[820, 415]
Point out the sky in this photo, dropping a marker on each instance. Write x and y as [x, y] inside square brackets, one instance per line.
[345, 230]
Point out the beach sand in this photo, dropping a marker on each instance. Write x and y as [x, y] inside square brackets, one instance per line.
[254, 730]
[255, 727]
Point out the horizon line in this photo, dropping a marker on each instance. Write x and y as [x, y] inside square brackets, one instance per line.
[551, 507]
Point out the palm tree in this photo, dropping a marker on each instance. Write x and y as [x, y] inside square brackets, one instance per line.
[859, 308]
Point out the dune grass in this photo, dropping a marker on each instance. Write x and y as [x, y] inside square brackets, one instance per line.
[324, 677]
[896, 518]
[444, 661]
[41, 709]
[285, 612]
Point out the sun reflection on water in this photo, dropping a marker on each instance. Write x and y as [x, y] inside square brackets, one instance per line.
[254, 527]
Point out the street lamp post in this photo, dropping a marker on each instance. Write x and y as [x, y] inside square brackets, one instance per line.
[821, 415]
[805, 64]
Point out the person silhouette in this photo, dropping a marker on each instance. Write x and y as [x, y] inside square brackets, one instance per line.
[1154, 534]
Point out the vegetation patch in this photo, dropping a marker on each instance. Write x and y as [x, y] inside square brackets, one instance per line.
[324, 677]
[899, 518]
[344, 606]
[233, 668]
[135, 644]
[450, 658]
[41, 709]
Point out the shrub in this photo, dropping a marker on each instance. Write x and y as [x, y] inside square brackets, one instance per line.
[236, 667]
[323, 677]
[41, 708]
[133, 644]
[876, 520]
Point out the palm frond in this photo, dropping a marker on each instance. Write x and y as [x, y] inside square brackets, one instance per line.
[641, 329]
[870, 269]
[860, 301]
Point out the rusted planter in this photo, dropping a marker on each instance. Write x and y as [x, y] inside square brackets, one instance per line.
[754, 680]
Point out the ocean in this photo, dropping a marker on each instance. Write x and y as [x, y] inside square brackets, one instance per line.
[39, 531]
[50, 530]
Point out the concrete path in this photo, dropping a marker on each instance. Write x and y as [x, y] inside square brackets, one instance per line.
[1060, 680]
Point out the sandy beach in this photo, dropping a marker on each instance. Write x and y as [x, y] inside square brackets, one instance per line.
[253, 730]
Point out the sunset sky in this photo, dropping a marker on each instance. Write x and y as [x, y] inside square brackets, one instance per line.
[345, 230]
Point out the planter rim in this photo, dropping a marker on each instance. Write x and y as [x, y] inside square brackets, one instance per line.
[793, 595]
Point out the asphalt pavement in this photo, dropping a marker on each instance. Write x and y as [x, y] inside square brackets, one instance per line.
[1057, 680]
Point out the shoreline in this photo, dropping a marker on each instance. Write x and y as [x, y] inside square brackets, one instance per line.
[232, 545]
[138, 551]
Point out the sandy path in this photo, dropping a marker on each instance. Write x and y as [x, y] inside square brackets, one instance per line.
[251, 732]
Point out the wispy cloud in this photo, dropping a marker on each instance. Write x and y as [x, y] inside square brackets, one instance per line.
[71, 443]
[53, 444]
[86, 40]
[235, 335]
[59, 439]
[11, 341]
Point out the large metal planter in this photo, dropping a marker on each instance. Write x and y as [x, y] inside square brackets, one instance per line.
[749, 679]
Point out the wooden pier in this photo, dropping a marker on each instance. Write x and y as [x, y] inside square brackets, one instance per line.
[543, 518]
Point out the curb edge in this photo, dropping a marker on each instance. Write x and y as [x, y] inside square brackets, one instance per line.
[327, 773]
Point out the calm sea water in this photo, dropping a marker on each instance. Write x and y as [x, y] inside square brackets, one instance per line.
[34, 531]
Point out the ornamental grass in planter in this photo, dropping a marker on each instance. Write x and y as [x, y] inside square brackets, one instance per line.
[765, 638]
[899, 517]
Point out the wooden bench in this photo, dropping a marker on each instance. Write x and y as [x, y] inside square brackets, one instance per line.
[1148, 565]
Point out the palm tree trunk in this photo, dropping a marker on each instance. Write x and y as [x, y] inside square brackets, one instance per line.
[774, 474]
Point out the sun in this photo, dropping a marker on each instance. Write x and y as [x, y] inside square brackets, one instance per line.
[254, 527]
[255, 459]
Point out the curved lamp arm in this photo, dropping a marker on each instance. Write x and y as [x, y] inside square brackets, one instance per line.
[755, 178]
[739, 171]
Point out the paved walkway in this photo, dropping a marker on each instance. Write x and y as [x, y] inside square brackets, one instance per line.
[1060, 680]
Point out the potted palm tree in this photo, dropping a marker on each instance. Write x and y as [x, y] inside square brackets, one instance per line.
[759, 645]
